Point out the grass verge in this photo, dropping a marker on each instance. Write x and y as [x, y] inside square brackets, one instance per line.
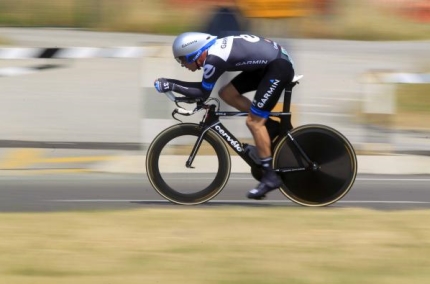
[216, 245]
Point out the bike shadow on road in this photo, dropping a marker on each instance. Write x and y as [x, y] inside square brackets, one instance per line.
[219, 203]
[283, 204]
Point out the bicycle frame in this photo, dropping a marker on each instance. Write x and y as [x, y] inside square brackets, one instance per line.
[211, 121]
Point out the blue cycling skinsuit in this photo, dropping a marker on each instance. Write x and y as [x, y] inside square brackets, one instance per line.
[266, 67]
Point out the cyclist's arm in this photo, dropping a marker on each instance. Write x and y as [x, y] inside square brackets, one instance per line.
[190, 89]
[212, 69]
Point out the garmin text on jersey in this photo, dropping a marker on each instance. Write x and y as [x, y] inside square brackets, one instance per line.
[252, 62]
[269, 93]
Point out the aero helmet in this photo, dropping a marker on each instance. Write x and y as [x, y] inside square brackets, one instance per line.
[187, 47]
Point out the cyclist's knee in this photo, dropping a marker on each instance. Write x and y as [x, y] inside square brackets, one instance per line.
[228, 92]
[221, 93]
[254, 122]
[258, 112]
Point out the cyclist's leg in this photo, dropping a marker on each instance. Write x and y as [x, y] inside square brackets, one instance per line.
[245, 82]
[277, 75]
[256, 125]
[232, 93]
[270, 181]
[232, 97]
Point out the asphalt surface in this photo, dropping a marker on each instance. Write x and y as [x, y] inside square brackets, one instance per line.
[28, 192]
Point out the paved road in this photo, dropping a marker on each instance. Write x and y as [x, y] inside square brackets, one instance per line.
[27, 192]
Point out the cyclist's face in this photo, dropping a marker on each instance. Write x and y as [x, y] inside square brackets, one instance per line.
[190, 66]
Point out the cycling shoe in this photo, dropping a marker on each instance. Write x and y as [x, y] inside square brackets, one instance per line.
[268, 183]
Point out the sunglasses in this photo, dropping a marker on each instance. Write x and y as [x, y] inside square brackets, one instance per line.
[188, 58]
[181, 59]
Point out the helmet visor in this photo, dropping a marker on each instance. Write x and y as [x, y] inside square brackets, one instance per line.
[181, 60]
[190, 58]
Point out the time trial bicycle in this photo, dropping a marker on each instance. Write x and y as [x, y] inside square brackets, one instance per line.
[189, 163]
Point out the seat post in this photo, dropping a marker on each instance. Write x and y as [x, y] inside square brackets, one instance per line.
[286, 119]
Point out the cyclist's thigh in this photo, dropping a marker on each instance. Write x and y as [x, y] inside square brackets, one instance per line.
[278, 74]
[247, 81]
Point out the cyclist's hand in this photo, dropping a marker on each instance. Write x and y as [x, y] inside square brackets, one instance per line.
[162, 85]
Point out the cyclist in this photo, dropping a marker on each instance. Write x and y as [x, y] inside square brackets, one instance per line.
[266, 67]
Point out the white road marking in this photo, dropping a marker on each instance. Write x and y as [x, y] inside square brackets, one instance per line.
[235, 201]
[393, 179]
[357, 179]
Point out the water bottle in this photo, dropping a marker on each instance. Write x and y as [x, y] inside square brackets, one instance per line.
[252, 152]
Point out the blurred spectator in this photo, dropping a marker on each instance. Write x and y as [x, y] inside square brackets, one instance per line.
[226, 21]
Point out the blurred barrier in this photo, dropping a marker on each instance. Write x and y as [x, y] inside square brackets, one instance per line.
[397, 78]
[21, 53]
[16, 71]
[380, 105]
[81, 90]
[72, 52]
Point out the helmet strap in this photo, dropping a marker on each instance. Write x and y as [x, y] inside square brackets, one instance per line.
[198, 65]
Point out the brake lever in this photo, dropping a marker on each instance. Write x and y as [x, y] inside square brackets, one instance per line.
[182, 111]
[174, 112]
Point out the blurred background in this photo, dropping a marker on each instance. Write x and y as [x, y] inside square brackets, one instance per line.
[366, 65]
[341, 19]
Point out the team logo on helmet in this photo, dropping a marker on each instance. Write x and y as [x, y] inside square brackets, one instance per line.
[189, 43]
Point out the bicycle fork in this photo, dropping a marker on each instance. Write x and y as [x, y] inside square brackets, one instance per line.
[196, 148]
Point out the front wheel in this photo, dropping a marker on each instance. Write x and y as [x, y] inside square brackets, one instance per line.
[332, 153]
[167, 170]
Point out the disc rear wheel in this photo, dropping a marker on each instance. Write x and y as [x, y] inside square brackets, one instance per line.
[335, 160]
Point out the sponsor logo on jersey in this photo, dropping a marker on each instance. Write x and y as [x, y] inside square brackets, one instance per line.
[188, 43]
[208, 71]
[252, 62]
[269, 93]
[223, 48]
